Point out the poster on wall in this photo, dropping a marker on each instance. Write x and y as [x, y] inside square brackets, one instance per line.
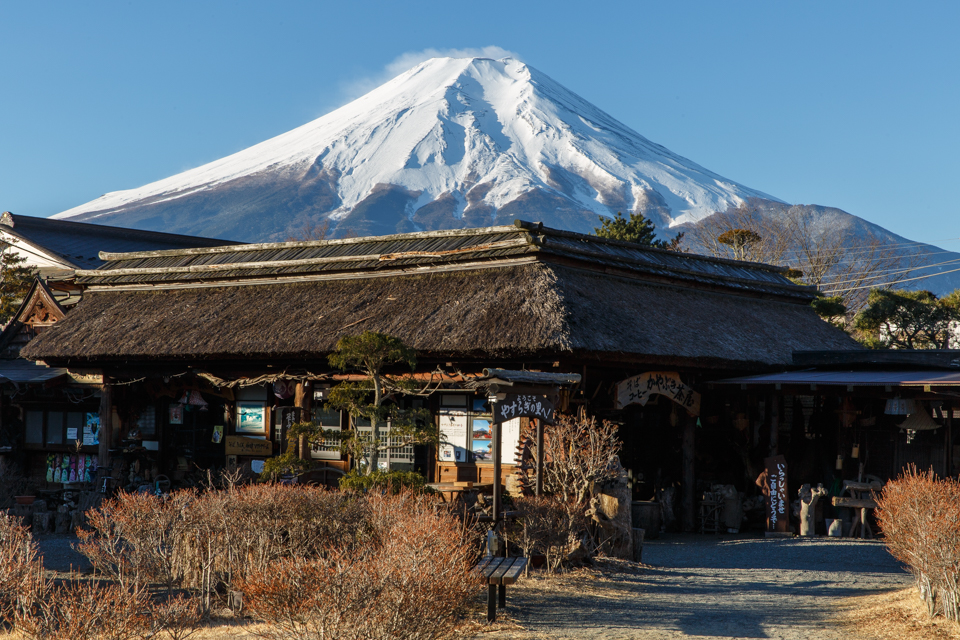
[453, 436]
[91, 429]
[482, 438]
[251, 416]
[509, 439]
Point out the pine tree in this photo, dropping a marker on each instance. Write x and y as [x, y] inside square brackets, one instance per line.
[637, 229]
[15, 280]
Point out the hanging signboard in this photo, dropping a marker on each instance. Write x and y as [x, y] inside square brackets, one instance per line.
[246, 446]
[523, 406]
[777, 501]
[638, 389]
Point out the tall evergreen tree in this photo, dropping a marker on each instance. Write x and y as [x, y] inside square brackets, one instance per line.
[15, 280]
[637, 229]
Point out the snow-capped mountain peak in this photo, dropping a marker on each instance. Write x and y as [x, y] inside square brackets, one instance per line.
[452, 142]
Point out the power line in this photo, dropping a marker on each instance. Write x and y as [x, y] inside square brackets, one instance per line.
[884, 284]
[880, 273]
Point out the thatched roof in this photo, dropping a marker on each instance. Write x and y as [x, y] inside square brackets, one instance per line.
[490, 310]
[434, 250]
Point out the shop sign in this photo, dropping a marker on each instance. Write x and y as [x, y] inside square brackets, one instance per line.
[638, 389]
[523, 406]
[778, 503]
[247, 446]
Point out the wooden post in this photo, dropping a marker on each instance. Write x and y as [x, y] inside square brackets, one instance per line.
[774, 403]
[106, 422]
[947, 444]
[689, 477]
[539, 485]
[497, 443]
[302, 398]
[949, 440]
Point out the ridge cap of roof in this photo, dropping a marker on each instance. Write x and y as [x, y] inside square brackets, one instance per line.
[263, 246]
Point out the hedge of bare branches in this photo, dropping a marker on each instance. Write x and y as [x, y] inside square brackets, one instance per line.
[411, 579]
[311, 562]
[202, 540]
[40, 609]
[919, 515]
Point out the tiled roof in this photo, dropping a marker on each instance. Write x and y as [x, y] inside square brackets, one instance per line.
[80, 243]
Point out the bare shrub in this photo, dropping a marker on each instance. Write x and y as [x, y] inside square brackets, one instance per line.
[134, 537]
[578, 453]
[920, 519]
[21, 570]
[202, 540]
[548, 527]
[79, 610]
[409, 578]
[178, 617]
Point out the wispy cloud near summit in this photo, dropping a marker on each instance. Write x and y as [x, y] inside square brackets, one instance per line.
[405, 61]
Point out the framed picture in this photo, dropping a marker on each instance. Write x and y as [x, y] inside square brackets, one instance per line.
[481, 430]
[176, 414]
[251, 416]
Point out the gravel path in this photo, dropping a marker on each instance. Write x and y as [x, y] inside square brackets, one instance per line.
[706, 587]
[58, 555]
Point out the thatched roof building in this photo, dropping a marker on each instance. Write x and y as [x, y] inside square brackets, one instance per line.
[500, 292]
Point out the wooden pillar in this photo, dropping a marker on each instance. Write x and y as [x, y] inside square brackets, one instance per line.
[774, 409]
[539, 485]
[948, 443]
[689, 501]
[106, 422]
[497, 433]
[303, 400]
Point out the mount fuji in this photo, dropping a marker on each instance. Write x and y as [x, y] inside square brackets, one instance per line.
[453, 142]
[459, 142]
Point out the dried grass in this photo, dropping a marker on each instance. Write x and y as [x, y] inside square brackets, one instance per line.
[897, 615]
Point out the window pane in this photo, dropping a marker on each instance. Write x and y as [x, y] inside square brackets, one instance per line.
[147, 422]
[34, 427]
[75, 421]
[326, 417]
[55, 427]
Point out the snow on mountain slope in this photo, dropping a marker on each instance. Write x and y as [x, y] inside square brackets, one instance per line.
[452, 142]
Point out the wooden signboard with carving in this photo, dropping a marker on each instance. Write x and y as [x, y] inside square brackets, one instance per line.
[245, 446]
[523, 406]
[638, 389]
[778, 502]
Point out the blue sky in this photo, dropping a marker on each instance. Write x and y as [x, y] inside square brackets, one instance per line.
[847, 104]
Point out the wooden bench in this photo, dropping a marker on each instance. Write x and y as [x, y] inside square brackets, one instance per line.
[499, 572]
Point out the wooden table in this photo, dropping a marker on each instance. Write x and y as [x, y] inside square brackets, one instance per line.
[499, 572]
[860, 499]
[450, 491]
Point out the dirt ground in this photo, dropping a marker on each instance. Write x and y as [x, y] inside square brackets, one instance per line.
[708, 587]
[693, 587]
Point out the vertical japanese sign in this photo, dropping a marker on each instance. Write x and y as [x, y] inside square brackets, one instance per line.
[778, 505]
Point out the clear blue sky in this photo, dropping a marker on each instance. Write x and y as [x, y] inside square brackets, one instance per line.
[848, 104]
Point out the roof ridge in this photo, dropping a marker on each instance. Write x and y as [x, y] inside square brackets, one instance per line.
[265, 246]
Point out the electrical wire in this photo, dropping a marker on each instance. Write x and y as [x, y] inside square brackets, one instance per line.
[884, 284]
[885, 272]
